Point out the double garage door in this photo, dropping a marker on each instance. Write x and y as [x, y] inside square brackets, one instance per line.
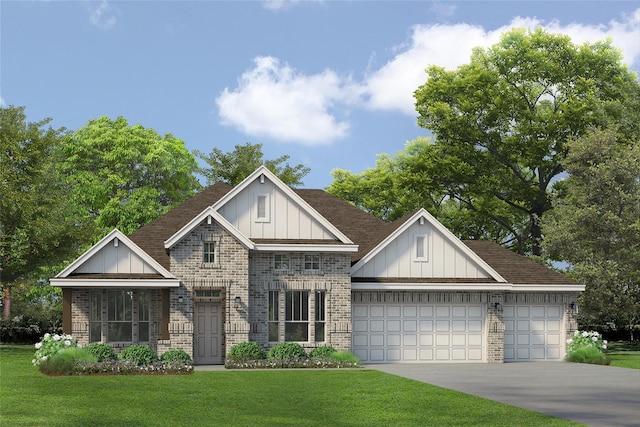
[405, 333]
[390, 333]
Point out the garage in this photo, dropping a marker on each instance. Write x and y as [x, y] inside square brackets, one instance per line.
[396, 333]
[533, 332]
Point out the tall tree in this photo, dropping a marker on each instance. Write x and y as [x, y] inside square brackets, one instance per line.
[236, 165]
[595, 226]
[37, 224]
[502, 121]
[125, 176]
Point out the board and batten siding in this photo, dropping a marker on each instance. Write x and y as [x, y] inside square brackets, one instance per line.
[285, 219]
[115, 259]
[442, 259]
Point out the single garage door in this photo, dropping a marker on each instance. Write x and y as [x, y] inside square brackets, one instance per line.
[533, 332]
[390, 333]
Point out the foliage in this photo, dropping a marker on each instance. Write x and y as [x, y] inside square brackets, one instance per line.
[235, 166]
[589, 355]
[128, 367]
[125, 176]
[37, 225]
[595, 226]
[286, 351]
[586, 339]
[244, 351]
[502, 122]
[139, 354]
[176, 355]
[346, 356]
[316, 363]
[102, 351]
[284, 397]
[625, 359]
[66, 361]
[50, 344]
[324, 351]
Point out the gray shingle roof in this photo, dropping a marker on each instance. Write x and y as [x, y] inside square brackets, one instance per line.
[363, 229]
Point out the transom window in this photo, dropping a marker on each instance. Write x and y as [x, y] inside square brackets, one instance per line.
[312, 262]
[281, 261]
[207, 293]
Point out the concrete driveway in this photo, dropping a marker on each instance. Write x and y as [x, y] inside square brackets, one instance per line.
[590, 394]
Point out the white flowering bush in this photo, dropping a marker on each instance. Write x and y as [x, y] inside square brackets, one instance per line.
[586, 339]
[50, 345]
[586, 347]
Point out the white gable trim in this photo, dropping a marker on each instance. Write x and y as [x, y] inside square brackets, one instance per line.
[481, 287]
[426, 216]
[205, 215]
[115, 283]
[122, 239]
[275, 247]
[263, 173]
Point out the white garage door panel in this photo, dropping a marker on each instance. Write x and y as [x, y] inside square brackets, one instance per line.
[532, 332]
[418, 332]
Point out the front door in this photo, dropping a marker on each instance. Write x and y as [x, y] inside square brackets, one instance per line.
[208, 333]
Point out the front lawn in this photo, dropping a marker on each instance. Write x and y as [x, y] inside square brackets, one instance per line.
[624, 354]
[241, 398]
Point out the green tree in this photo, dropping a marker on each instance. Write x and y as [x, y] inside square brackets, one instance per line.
[38, 229]
[502, 121]
[595, 226]
[125, 176]
[235, 166]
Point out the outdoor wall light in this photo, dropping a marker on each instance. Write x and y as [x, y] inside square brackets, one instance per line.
[572, 307]
[497, 307]
[238, 302]
[180, 299]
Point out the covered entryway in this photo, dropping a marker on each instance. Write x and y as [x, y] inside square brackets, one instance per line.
[389, 333]
[533, 332]
[208, 333]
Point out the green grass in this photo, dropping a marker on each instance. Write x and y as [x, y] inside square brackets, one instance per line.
[241, 398]
[624, 354]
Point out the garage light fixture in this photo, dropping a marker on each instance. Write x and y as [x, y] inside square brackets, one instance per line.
[180, 299]
[497, 307]
[573, 307]
[237, 302]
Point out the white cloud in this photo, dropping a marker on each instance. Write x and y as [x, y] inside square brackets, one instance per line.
[276, 101]
[3, 103]
[391, 87]
[103, 16]
[283, 4]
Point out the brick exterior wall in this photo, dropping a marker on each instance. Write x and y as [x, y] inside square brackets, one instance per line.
[333, 277]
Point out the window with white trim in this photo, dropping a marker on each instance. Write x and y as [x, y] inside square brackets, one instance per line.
[296, 322]
[420, 250]
[262, 208]
[281, 261]
[209, 252]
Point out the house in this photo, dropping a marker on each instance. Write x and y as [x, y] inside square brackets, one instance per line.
[266, 263]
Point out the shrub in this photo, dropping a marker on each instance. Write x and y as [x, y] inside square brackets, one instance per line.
[141, 355]
[246, 351]
[50, 345]
[323, 352]
[588, 354]
[287, 351]
[176, 355]
[102, 351]
[345, 356]
[66, 361]
[586, 339]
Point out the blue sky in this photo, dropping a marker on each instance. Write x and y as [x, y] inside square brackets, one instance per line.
[329, 83]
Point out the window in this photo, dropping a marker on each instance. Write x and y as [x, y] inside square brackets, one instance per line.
[281, 261]
[95, 316]
[420, 251]
[143, 316]
[209, 252]
[312, 262]
[120, 316]
[207, 293]
[296, 325]
[274, 316]
[319, 316]
[262, 207]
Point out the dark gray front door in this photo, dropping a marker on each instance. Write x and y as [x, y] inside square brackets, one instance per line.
[208, 333]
